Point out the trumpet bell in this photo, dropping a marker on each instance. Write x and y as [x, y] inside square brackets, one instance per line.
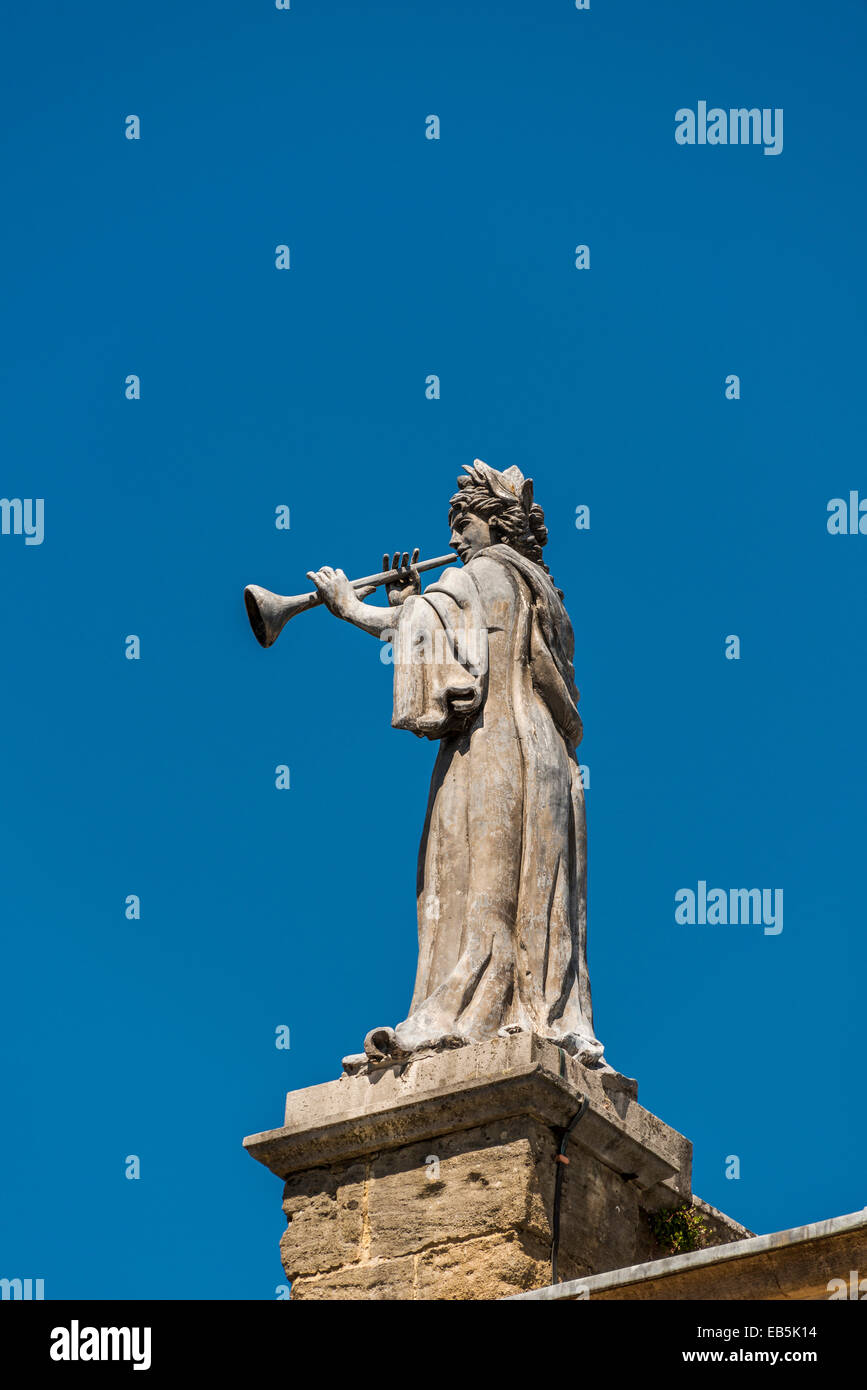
[268, 613]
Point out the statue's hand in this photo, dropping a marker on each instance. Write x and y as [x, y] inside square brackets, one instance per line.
[407, 583]
[335, 590]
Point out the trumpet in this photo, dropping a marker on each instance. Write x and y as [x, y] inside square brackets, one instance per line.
[269, 613]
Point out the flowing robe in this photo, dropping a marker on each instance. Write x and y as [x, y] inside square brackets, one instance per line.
[483, 662]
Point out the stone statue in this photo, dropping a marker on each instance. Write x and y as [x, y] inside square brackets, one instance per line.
[483, 664]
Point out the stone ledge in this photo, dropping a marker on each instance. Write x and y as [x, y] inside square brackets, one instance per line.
[796, 1264]
[485, 1083]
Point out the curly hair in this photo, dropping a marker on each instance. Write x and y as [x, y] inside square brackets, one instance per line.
[508, 507]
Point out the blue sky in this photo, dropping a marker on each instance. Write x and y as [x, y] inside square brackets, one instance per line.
[306, 388]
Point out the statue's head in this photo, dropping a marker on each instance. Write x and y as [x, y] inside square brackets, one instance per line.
[493, 508]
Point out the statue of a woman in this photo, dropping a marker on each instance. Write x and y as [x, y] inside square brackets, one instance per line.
[483, 663]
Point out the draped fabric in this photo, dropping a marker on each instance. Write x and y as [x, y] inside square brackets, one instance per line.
[483, 663]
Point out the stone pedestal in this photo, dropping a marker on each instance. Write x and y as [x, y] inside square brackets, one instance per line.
[434, 1179]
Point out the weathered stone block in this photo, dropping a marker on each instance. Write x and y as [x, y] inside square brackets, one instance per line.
[449, 1188]
[380, 1280]
[487, 1268]
[323, 1209]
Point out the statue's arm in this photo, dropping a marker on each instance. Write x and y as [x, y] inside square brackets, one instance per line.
[344, 602]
